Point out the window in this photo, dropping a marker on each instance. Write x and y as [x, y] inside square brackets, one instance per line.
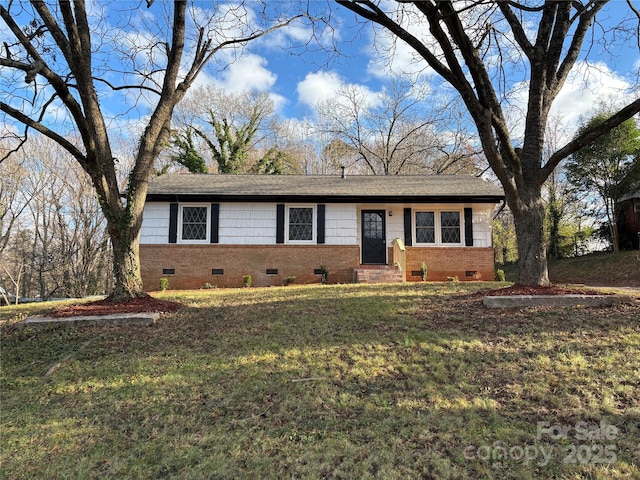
[450, 227]
[425, 227]
[438, 227]
[300, 226]
[194, 223]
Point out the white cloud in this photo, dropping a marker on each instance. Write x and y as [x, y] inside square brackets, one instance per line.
[586, 88]
[248, 73]
[318, 87]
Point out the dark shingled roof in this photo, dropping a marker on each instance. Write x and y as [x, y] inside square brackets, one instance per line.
[367, 188]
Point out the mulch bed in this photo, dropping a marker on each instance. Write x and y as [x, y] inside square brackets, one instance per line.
[531, 290]
[146, 304]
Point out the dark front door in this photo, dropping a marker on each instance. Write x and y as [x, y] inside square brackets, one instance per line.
[374, 244]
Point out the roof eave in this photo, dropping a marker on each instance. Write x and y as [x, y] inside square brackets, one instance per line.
[195, 197]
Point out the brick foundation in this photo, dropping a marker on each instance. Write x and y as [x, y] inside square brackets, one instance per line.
[193, 264]
[472, 263]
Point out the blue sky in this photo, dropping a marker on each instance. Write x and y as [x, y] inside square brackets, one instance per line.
[297, 79]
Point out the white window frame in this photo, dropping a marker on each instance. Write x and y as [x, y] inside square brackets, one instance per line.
[460, 226]
[437, 227]
[313, 225]
[207, 227]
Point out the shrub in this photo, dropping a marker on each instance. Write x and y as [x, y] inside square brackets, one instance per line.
[500, 275]
[453, 279]
[324, 272]
[423, 271]
[289, 280]
[164, 283]
[207, 286]
[246, 281]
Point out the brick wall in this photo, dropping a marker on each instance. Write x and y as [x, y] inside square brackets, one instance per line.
[632, 222]
[193, 264]
[473, 263]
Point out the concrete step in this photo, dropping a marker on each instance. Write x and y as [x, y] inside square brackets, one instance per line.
[382, 274]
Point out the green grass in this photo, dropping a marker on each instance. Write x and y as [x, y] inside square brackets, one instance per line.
[620, 269]
[350, 381]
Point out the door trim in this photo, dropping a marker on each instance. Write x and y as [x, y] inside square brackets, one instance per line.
[373, 259]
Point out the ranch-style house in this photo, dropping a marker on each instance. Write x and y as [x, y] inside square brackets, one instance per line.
[210, 229]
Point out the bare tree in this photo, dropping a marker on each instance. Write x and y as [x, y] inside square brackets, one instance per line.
[54, 70]
[390, 133]
[58, 243]
[472, 45]
[13, 200]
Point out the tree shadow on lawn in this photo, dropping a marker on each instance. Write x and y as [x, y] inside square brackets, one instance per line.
[424, 376]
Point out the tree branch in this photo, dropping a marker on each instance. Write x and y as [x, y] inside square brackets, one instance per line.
[516, 27]
[66, 144]
[590, 136]
[126, 87]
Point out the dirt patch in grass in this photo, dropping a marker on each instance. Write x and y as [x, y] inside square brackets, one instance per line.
[144, 304]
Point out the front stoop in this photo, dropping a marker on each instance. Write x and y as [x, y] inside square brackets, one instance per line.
[377, 274]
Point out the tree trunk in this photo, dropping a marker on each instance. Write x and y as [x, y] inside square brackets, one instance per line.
[126, 263]
[532, 253]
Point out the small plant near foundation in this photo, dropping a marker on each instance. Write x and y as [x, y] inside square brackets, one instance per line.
[500, 275]
[453, 279]
[164, 284]
[246, 281]
[289, 280]
[324, 272]
[208, 286]
[423, 271]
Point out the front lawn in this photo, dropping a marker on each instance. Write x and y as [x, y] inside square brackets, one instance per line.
[348, 381]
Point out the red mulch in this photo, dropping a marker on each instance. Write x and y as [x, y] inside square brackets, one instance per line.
[530, 290]
[145, 304]
[149, 304]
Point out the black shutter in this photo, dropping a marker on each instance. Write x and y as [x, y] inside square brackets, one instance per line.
[408, 236]
[280, 223]
[215, 215]
[173, 223]
[320, 229]
[468, 227]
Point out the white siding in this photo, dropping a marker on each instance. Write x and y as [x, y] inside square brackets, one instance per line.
[155, 223]
[247, 223]
[395, 223]
[255, 223]
[482, 217]
[341, 224]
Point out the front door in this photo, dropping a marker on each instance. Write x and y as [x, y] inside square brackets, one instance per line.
[374, 243]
